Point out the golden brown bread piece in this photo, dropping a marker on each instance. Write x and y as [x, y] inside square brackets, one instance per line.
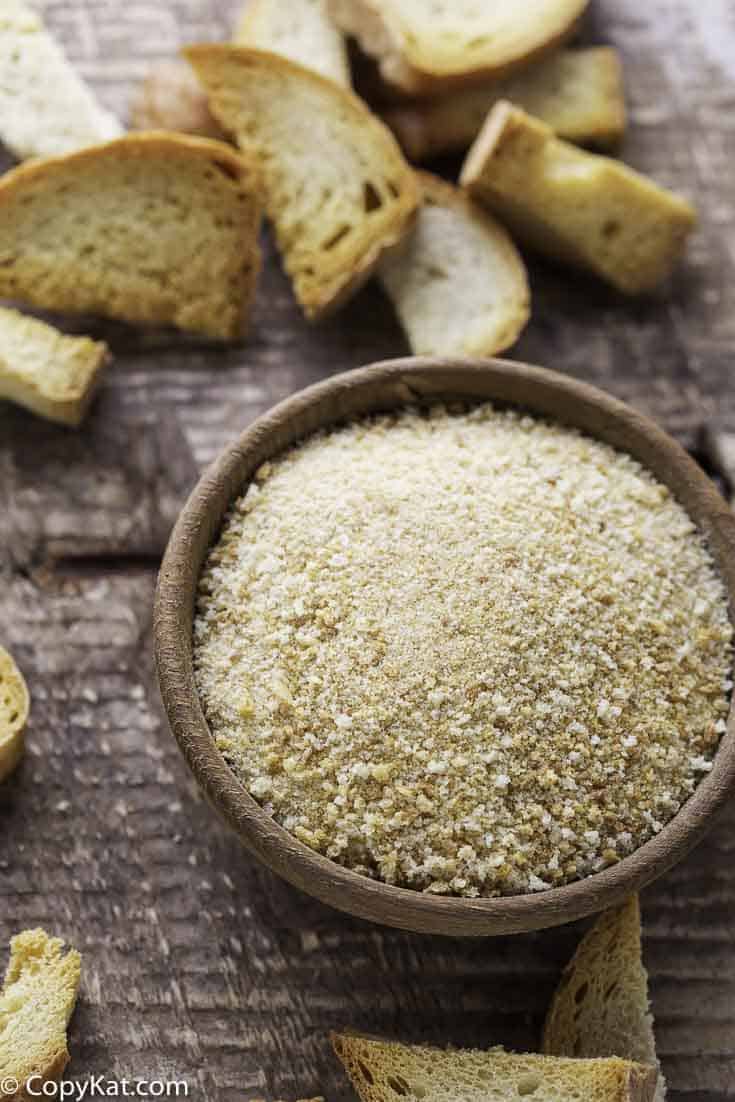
[601, 1007]
[586, 210]
[578, 93]
[427, 47]
[337, 188]
[45, 106]
[386, 1071]
[458, 283]
[49, 373]
[36, 1003]
[171, 98]
[14, 708]
[154, 228]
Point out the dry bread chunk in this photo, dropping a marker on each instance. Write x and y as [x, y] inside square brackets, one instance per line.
[14, 708]
[429, 46]
[458, 284]
[49, 373]
[385, 1071]
[300, 30]
[45, 107]
[37, 1001]
[150, 228]
[578, 93]
[337, 188]
[171, 98]
[601, 1007]
[590, 211]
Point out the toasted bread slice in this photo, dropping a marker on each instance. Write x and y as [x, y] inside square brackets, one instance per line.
[578, 207]
[36, 1003]
[300, 30]
[45, 107]
[458, 284]
[601, 1007]
[337, 188]
[47, 372]
[150, 228]
[385, 1071]
[427, 47]
[171, 98]
[14, 708]
[578, 93]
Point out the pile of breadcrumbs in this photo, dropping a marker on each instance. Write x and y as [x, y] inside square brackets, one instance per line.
[467, 652]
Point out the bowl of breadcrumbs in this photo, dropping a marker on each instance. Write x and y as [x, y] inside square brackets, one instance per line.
[449, 644]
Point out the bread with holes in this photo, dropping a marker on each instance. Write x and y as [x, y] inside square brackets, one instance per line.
[300, 30]
[36, 1003]
[458, 284]
[577, 207]
[45, 106]
[14, 709]
[578, 93]
[152, 228]
[601, 1007]
[427, 47]
[386, 1071]
[46, 371]
[337, 188]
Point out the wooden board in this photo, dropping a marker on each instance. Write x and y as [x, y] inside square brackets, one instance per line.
[198, 964]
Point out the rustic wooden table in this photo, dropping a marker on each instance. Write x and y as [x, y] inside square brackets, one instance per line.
[198, 964]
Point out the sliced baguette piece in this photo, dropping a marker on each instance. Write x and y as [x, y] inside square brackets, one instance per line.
[578, 93]
[171, 98]
[36, 1003]
[385, 1071]
[427, 47]
[589, 211]
[45, 371]
[45, 107]
[458, 283]
[300, 30]
[337, 188]
[153, 228]
[602, 1007]
[14, 708]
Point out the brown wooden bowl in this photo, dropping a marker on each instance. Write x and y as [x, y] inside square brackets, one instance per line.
[381, 387]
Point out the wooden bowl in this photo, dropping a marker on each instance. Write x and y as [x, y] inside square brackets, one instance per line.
[387, 386]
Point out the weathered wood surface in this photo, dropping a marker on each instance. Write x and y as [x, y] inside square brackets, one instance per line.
[197, 963]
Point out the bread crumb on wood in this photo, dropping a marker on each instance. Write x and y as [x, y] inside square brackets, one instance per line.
[486, 654]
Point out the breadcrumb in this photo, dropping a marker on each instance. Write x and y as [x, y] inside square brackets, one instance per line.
[466, 651]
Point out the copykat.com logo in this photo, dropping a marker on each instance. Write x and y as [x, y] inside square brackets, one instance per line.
[95, 1086]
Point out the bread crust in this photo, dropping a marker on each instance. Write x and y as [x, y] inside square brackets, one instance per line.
[601, 1006]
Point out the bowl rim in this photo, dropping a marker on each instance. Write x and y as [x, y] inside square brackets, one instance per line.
[378, 387]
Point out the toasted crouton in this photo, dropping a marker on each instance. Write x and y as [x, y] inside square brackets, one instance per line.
[150, 228]
[337, 188]
[589, 211]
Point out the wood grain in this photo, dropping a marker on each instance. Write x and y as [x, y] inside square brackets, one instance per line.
[199, 963]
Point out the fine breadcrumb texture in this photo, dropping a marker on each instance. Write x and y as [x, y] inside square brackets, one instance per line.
[465, 650]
